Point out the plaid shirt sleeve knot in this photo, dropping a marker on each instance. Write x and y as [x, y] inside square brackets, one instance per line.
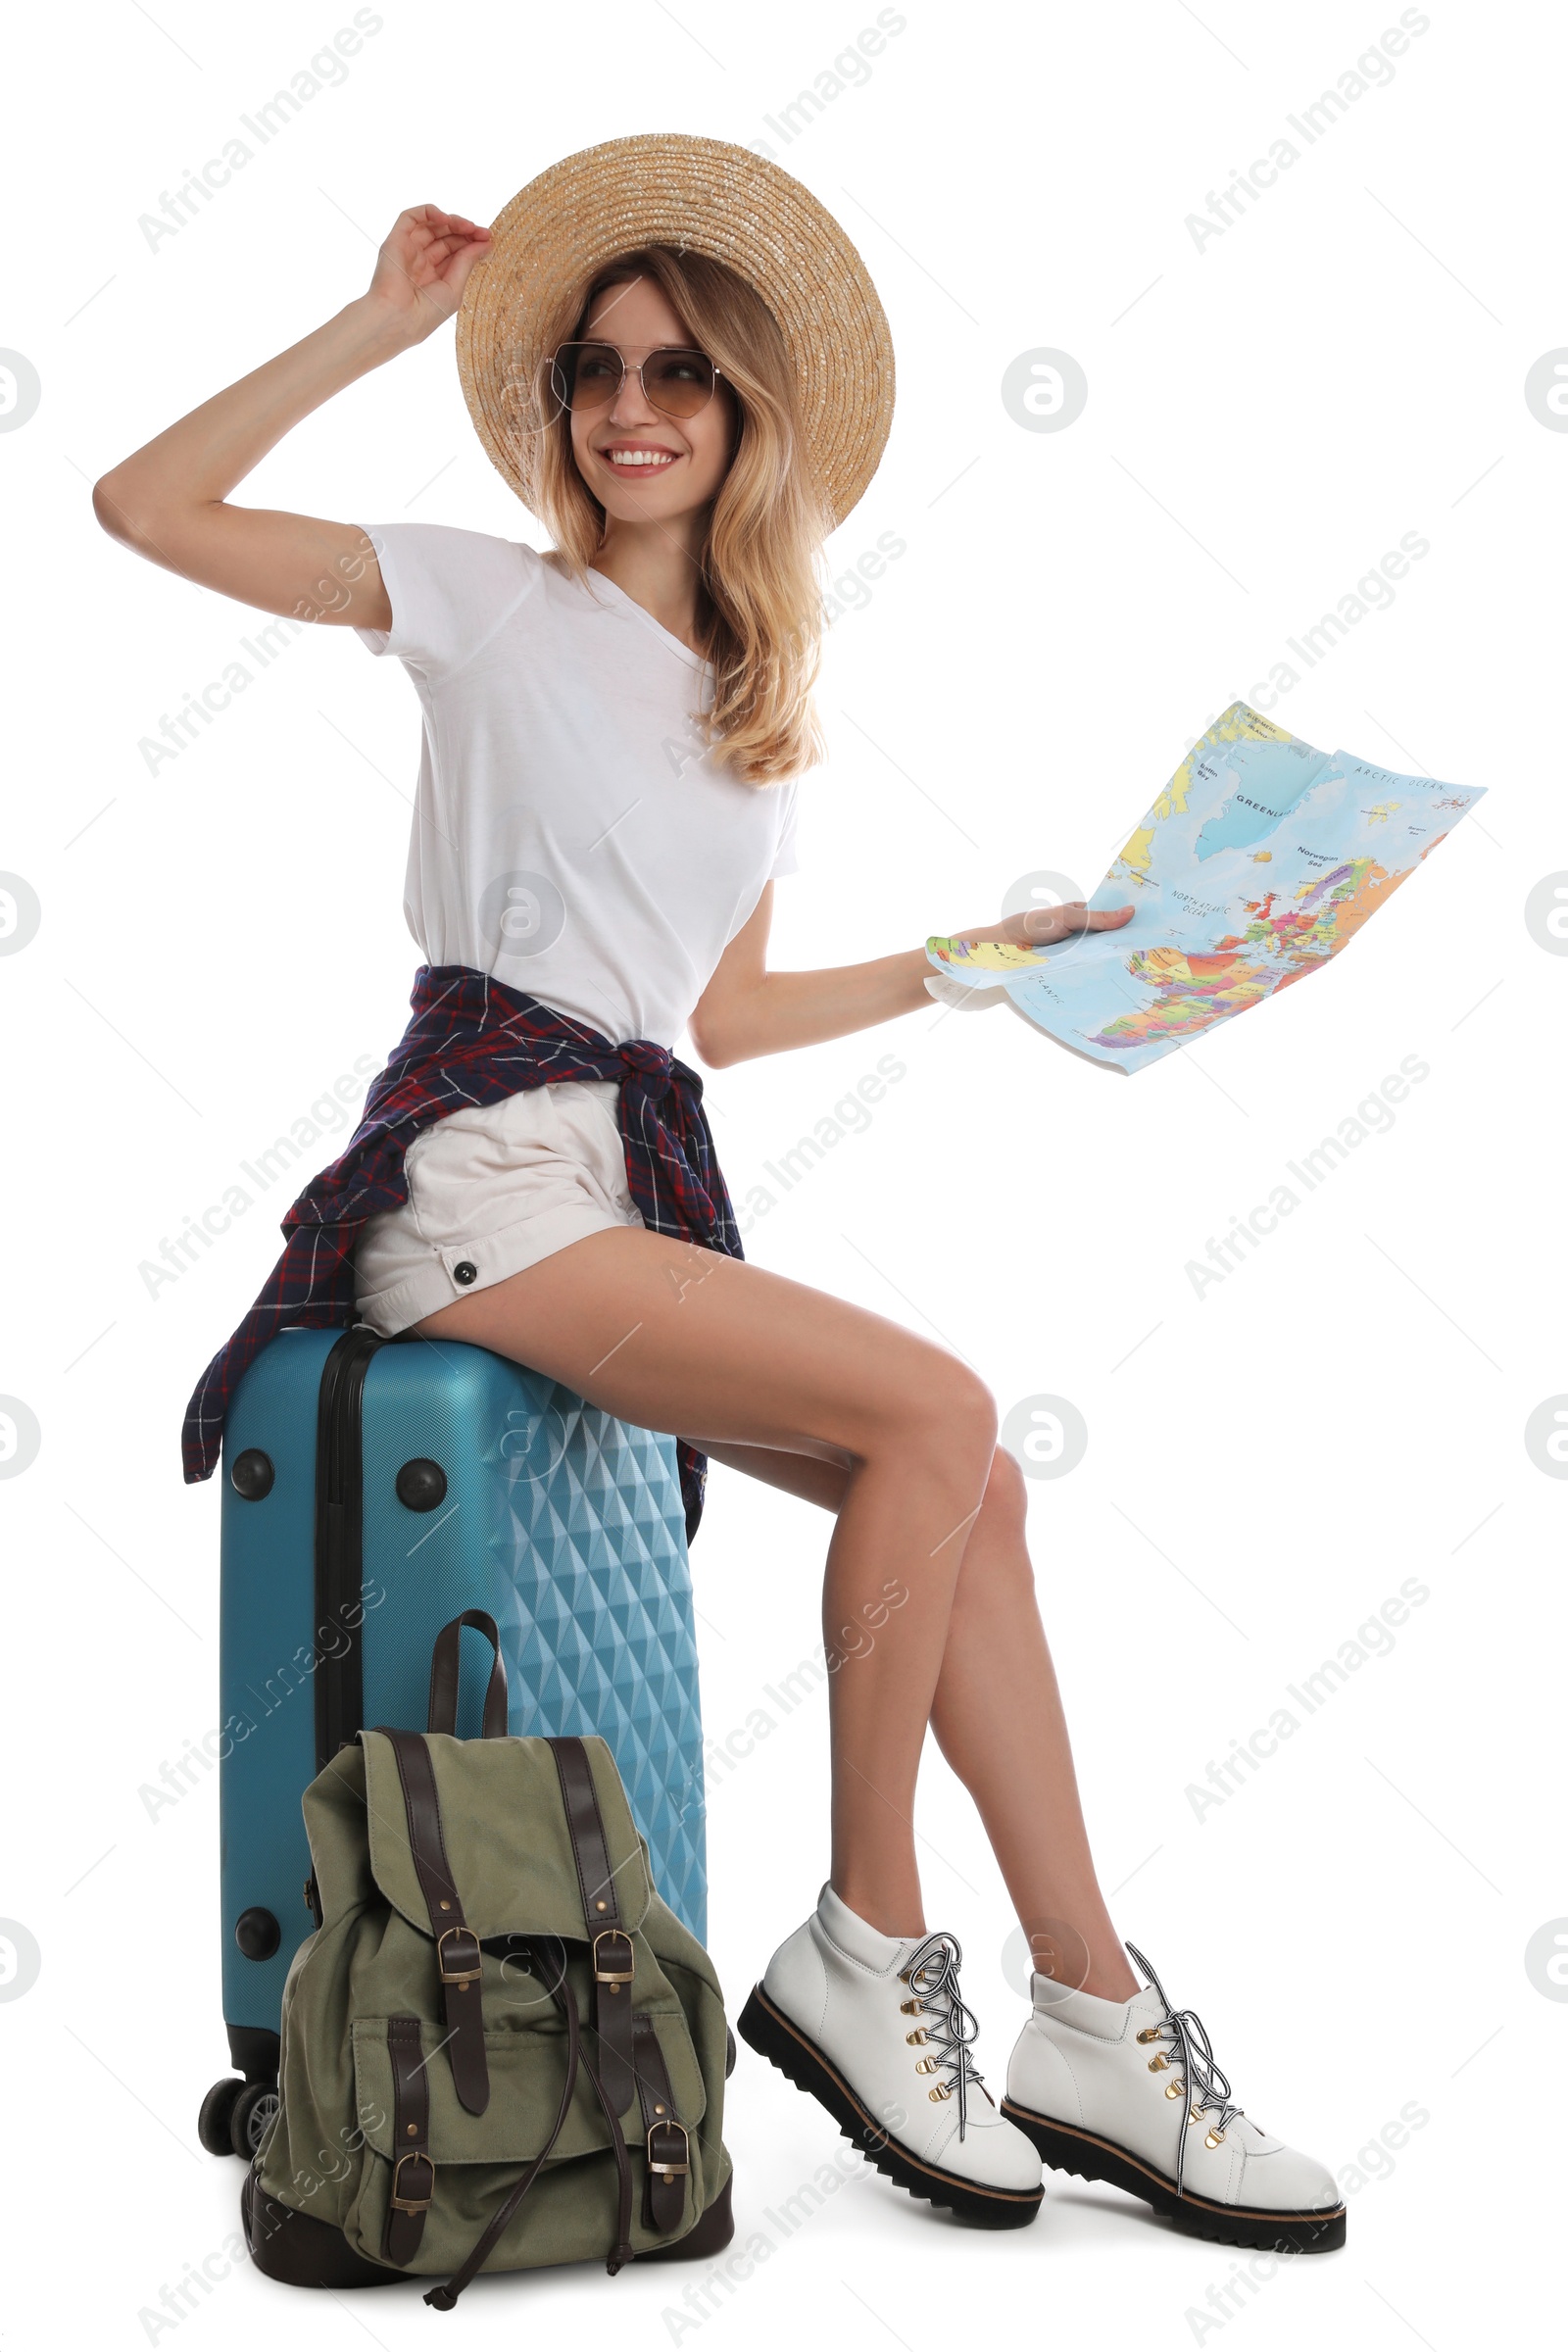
[471, 1041]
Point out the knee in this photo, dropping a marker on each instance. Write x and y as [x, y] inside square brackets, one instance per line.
[925, 1409]
[1006, 1498]
[959, 1417]
[997, 1571]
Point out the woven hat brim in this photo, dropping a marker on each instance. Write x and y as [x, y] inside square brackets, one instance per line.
[709, 197]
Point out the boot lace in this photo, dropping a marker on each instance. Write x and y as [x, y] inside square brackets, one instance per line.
[1206, 2086]
[950, 2025]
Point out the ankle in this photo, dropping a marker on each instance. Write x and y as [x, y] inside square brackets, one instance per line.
[889, 1912]
[1102, 1968]
[1112, 1980]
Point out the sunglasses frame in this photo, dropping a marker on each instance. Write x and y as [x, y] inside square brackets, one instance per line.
[602, 343]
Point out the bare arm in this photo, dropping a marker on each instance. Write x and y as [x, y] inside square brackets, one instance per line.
[168, 501]
[746, 1010]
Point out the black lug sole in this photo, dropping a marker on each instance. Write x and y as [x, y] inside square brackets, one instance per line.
[769, 2032]
[1068, 2150]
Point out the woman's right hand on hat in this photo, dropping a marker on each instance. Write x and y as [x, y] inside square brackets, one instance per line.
[423, 266]
[170, 500]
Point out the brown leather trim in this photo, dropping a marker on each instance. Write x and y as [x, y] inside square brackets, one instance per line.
[300, 2250]
[1188, 2196]
[445, 1669]
[622, 2253]
[599, 1905]
[412, 2172]
[457, 1950]
[669, 2149]
[710, 2234]
[610, 2013]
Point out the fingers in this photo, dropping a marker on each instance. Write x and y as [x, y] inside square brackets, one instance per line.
[433, 252]
[425, 231]
[455, 274]
[1055, 922]
[437, 260]
[1044, 924]
[431, 217]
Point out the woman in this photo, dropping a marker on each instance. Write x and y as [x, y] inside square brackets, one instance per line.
[614, 737]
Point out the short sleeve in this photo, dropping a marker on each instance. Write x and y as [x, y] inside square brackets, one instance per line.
[449, 590]
[785, 860]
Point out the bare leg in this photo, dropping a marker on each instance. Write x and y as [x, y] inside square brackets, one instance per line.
[684, 1340]
[998, 1721]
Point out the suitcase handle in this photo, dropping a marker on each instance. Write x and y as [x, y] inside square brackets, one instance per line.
[444, 1670]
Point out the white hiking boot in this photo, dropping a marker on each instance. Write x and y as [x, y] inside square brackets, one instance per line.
[1128, 2092]
[872, 2026]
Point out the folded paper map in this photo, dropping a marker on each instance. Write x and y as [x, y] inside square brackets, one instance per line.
[1257, 862]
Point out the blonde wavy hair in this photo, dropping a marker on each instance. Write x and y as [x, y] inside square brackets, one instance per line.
[758, 599]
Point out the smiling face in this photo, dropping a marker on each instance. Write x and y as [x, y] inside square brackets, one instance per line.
[642, 466]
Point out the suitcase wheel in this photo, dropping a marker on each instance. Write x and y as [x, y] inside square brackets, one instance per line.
[250, 2118]
[212, 2125]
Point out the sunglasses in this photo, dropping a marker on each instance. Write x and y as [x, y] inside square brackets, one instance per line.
[590, 375]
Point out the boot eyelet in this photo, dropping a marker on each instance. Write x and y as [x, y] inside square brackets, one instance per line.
[1158, 2065]
[1150, 2033]
[908, 2008]
[926, 2066]
[918, 2036]
[942, 2090]
[1214, 2139]
[1175, 2090]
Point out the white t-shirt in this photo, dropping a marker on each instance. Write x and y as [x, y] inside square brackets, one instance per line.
[570, 834]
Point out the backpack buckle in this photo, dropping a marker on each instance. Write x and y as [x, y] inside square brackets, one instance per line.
[616, 1967]
[463, 1968]
[418, 2196]
[667, 2165]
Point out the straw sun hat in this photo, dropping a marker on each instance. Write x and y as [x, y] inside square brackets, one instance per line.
[705, 196]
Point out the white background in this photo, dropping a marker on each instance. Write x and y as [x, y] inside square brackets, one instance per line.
[1265, 1464]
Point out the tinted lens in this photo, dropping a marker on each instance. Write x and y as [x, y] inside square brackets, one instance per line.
[679, 382]
[587, 375]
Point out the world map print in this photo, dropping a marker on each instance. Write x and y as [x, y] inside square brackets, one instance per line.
[1258, 861]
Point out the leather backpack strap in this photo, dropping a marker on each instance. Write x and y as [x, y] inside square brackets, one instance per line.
[444, 1657]
[412, 2172]
[670, 2151]
[443, 2297]
[457, 1947]
[610, 1945]
[623, 2250]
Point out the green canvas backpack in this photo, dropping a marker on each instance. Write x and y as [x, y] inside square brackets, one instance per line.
[500, 2047]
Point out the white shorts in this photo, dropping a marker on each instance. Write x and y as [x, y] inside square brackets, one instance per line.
[491, 1192]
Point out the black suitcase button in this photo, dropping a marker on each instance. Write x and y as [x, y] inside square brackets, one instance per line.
[421, 1485]
[251, 1475]
[258, 1933]
[464, 1271]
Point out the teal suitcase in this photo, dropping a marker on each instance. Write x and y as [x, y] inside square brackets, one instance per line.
[370, 1493]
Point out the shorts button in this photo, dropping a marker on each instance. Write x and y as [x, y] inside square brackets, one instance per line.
[464, 1271]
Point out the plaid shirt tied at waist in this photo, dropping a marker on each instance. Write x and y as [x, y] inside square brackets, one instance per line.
[471, 1041]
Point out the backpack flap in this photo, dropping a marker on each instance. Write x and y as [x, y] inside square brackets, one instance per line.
[508, 1844]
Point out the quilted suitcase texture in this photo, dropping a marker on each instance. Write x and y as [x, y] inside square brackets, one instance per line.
[370, 1493]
